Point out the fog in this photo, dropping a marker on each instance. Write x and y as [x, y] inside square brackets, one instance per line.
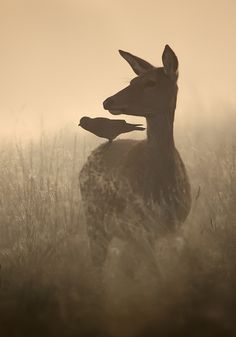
[59, 59]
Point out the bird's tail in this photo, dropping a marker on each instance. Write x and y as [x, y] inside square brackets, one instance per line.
[136, 127]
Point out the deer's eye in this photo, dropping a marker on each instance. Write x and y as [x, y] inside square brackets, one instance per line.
[150, 83]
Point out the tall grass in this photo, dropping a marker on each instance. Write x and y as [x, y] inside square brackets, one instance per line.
[48, 286]
[43, 249]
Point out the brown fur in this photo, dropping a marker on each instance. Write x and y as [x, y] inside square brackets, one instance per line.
[120, 178]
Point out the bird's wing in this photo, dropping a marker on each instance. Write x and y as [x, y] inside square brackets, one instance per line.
[109, 123]
[101, 122]
[119, 123]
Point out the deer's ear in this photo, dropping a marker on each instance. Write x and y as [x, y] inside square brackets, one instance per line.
[138, 65]
[170, 63]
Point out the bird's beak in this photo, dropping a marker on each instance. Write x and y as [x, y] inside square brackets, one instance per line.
[79, 124]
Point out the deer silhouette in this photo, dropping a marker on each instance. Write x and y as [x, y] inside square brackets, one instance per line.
[116, 175]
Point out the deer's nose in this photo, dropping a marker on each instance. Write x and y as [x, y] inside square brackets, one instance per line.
[107, 104]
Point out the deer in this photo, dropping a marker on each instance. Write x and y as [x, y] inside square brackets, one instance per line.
[151, 170]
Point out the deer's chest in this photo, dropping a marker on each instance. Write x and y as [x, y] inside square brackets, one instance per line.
[150, 176]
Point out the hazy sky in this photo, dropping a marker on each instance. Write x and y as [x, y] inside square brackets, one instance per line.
[59, 58]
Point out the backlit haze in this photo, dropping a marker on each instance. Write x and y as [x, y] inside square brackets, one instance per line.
[59, 58]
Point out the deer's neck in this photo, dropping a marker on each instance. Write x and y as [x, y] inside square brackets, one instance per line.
[160, 131]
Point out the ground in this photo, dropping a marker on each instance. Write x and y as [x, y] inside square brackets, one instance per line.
[48, 285]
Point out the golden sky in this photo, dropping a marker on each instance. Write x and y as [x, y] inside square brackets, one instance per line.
[59, 58]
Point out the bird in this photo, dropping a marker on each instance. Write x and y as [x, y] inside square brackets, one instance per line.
[108, 128]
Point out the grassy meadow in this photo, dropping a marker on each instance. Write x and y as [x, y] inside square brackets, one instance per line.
[48, 286]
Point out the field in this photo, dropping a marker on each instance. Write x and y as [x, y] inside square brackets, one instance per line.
[48, 286]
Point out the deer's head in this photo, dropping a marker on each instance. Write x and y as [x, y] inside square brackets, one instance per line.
[153, 91]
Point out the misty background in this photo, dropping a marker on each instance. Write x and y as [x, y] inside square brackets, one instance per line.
[59, 58]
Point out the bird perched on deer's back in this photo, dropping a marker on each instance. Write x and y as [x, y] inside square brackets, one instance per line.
[108, 128]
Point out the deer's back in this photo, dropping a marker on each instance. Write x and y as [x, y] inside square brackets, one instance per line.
[113, 170]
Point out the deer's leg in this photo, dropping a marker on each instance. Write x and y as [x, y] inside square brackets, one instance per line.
[98, 238]
[98, 249]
